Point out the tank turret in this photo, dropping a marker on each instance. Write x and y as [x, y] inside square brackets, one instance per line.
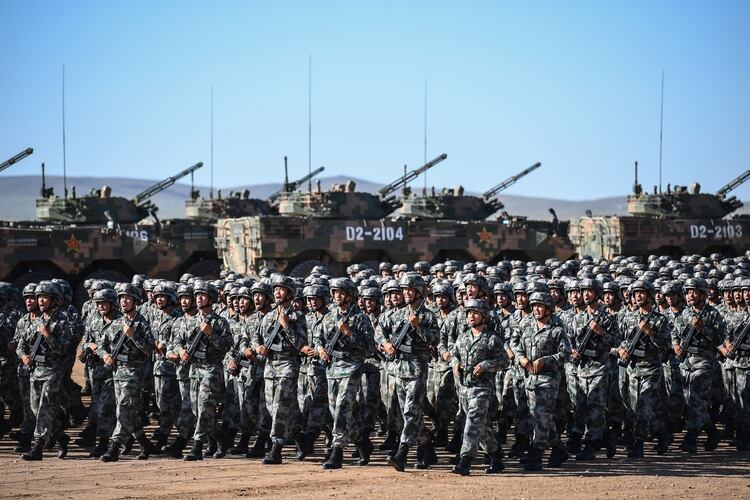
[100, 207]
[344, 201]
[454, 204]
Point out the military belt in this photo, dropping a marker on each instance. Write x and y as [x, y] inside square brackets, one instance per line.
[639, 353]
[697, 351]
[591, 353]
[245, 363]
[199, 355]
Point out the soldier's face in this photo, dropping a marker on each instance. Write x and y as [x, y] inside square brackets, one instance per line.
[540, 311]
[385, 273]
[387, 300]
[440, 274]
[397, 298]
[340, 298]
[411, 295]
[104, 308]
[728, 297]
[474, 318]
[746, 296]
[202, 300]
[314, 303]
[502, 300]
[371, 305]
[31, 304]
[260, 300]
[641, 298]
[556, 295]
[673, 299]
[280, 294]
[150, 296]
[161, 301]
[127, 303]
[186, 302]
[695, 297]
[44, 301]
[298, 304]
[574, 297]
[522, 300]
[589, 296]
[472, 290]
[737, 294]
[245, 304]
[442, 301]
[610, 299]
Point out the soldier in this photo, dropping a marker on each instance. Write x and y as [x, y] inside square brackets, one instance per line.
[541, 348]
[43, 350]
[25, 328]
[342, 341]
[8, 361]
[281, 335]
[204, 348]
[393, 296]
[369, 394]
[737, 350]
[516, 375]
[645, 337]
[166, 388]
[126, 346]
[103, 405]
[696, 335]
[407, 337]
[593, 334]
[182, 327]
[477, 354]
[441, 392]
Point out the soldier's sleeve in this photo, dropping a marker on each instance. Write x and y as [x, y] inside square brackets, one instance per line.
[221, 338]
[443, 344]
[257, 333]
[428, 328]
[516, 337]
[383, 330]
[299, 331]
[246, 339]
[318, 334]
[456, 353]
[719, 329]
[563, 350]
[22, 346]
[611, 336]
[364, 333]
[661, 337]
[143, 339]
[104, 344]
[59, 338]
[674, 331]
[497, 357]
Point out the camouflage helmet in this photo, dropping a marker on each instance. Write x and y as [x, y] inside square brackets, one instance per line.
[262, 288]
[503, 289]
[138, 280]
[244, 291]
[202, 286]
[591, 284]
[234, 290]
[346, 285]
[185, 289]
[542, 298]
[536, 286]
[385, 266]
[442, 288]
[437, 268]
[482, 267]
[469, 267]
[745, 284]
[148, 284]
[643, 286]
[29, 290]
[185, 278]
[129, 290]
[372, 293]
[572, 285]
[87, 283]
[519, 287]
[725, 285]
[390, 286]
[671, 287]
[450, 269]
[412, 280]
[50, 289]
[422, 267]
[65, 289]
[285, 282]
[320, 270]
[105, 295]
[166, 289]
[477, 305]
[613, 288]
[696, 284]
[315, 291]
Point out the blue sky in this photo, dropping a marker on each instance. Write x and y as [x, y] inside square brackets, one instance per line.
[575, 85]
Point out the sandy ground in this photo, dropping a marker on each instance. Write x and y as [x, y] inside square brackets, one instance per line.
[724, 472]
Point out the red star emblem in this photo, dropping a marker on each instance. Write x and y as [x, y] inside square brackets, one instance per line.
[484, 236]
[72, 244]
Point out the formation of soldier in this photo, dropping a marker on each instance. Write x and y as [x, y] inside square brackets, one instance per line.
[578, 358]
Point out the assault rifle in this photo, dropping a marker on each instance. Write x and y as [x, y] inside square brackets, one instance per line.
[120, 343]
[331, 346]
[688, 336]
[636, 340]
[269, 341]
[197, 338]
[38, 339]
[587, 336]
[405, 330]
[741, 338]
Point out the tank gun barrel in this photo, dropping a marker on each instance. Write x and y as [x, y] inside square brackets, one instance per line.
[404, 180]
[734, 183]
[292, 186]
[20, 156]
[147, 193]
[510, 181]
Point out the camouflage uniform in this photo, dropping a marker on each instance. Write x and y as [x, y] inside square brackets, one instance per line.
[166, 388]
[314, 390]
[741, 379]
[25, 328]
[182, 328]
[103, 403]
[9, 364]
[441, 388]
[250, 383]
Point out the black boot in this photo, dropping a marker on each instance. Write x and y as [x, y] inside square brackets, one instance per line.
[87, 437]
[574, 443]
[365, 448]
[588, 453]
[463, 467]
[128, 446]
[62, 445]
[223, 441]
[336, 459]
[259, 448]
[398, 461]
[664, 439]
[636, 449]
[742, 442]
[427, 456]
[161, 443]
[389, 443]
[610, 439]
[690, 443]
[242, 445]
[273, 457]
[100, 449]
[24, 443]
[147, 447]
[308, 441]
[520, 447]
[196, 452]
[557, 457]
[496, 462]
[113, 453]
[299, 443]
[36, 452]
[441, 438]
[212, 447]
[534, 460]
[455, 444]
[713, 438]
[175, 449]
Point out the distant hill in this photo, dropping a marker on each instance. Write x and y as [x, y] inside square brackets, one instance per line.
[17, 195]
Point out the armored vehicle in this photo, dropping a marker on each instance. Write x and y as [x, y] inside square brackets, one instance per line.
[343, 226]
[100, 235]
[680, 221]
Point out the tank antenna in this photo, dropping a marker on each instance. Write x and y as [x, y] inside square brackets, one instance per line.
[65, 162]
[425, 132]
[211, 192]
[661, 127]
[309, 122]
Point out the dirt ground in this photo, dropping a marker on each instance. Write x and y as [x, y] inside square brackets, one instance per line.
[724, 472]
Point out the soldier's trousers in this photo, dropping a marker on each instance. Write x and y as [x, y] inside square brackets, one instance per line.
[731, 404]
[389, 397]
[369, 396]
[506, 401]
[541, 392]
[615, 405]
[342, 403]
[129, 394]
[186, 420]
[281, 401]
[24, 388]
[231, 412]
[206, 390]
[643, 385]
[671, 403]
[623, 384]
[441, 396]
[523, 423]
[697, 384]
[103, 405]
[45, 403]
[411, 394]
[9, 390]
[168, 400]
[591, 405]
[741, 396]
[475, 403]
[315, 402]
[571, 377]
[253, 412]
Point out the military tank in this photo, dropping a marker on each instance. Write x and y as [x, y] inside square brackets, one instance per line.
[681, 221]
[343, 226]
[105, 236]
